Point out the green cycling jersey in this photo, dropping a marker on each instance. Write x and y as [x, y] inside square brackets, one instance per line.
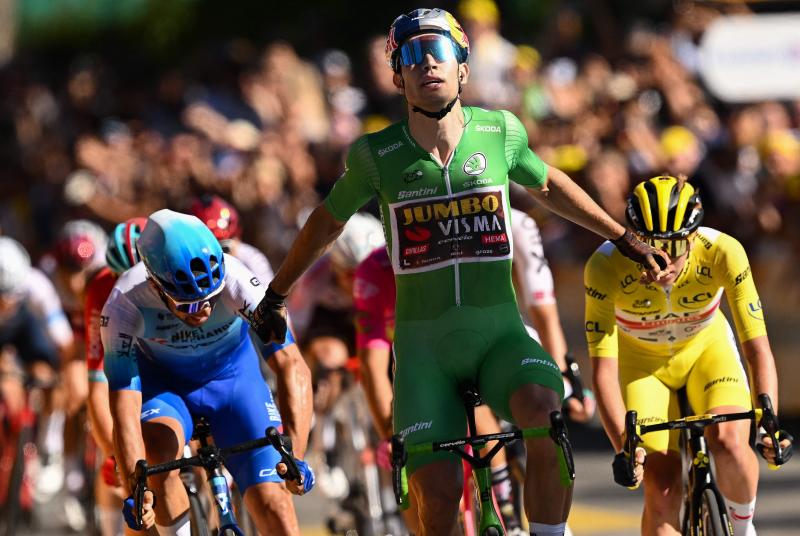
[447, 225]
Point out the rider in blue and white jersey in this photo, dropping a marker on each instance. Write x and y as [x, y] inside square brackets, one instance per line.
[176, 345]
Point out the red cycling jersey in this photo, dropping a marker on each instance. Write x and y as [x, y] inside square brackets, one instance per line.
[373, 301]
[97, 292]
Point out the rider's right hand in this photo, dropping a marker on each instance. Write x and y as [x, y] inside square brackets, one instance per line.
[269, 317]
[581, 410]
[148, 513]
[621, 467]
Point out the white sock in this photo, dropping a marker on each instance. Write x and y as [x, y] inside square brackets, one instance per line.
[541, 529]
[501, 483]
[73, 473]
[181, 527]
[52, 434]
[741, 516]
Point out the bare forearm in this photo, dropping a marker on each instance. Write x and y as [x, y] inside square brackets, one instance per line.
[128, 442]
[548, 325]
[377, 388]
[562, 196]
[100, 417]
[317, 234]
[609, 399]
[295, 400]
[761, 362]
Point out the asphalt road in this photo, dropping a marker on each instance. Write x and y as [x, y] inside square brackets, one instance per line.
[601, 508]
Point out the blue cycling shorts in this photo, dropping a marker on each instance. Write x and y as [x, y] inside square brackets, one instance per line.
[237, 404]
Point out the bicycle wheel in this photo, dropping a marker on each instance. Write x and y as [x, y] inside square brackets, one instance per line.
[713, 520]
[198, 521]
[12, 508]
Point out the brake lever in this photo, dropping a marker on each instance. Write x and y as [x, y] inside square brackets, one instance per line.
[283, 445]
[769, 422]
[573, 375]
[140, 474]
[632, 440]
[399, 459]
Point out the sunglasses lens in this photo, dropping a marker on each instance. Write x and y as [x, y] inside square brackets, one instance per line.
[190, 308]
[673, 248]
[415, 49]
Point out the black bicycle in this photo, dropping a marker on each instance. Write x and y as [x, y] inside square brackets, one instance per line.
[212, 458]
[704, 511]
[488, 523]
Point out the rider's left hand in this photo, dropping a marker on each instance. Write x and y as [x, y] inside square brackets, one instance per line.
[307, 478]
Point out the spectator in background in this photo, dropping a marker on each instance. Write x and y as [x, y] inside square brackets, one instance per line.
[609, 182]
[491, 56]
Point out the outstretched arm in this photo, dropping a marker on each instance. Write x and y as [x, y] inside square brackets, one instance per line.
[561, 195]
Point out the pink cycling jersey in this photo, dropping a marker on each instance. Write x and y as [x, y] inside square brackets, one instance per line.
[373, 301]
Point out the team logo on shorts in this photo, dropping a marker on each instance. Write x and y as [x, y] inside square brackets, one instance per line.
[475, 164]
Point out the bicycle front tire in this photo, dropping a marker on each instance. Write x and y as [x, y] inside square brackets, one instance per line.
[198, 519]
[713, 520]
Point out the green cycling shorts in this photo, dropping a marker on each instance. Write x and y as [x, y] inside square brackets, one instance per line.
[488, 347]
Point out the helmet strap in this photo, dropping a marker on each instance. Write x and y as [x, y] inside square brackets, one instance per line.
[444, 111]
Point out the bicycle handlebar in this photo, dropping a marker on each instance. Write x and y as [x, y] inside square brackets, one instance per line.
[765, 416]
[211, 456]
[557, 431]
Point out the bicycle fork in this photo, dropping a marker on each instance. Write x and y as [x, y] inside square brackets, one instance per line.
[700, 479]
[221, 493]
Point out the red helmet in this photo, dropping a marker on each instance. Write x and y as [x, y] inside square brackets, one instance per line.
[218, 215]
[81, 245]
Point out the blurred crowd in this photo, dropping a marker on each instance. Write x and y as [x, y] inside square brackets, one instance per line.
[268, 129]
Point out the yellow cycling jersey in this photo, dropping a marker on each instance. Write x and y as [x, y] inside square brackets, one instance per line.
[656, 321]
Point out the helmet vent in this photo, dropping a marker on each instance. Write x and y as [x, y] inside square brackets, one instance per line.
[180, 276]
[198, 267]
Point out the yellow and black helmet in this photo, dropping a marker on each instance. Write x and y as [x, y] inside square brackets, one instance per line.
[664, 207]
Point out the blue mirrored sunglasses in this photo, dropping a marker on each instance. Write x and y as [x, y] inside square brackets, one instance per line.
[188, 307]
[414, 50]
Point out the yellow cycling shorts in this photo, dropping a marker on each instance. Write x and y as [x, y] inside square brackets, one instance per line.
[708, 366]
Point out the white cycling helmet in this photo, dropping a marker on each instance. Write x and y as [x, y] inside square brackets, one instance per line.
[361, 235]
[15, 264]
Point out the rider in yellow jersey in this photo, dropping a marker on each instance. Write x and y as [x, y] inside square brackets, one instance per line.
[648, 339]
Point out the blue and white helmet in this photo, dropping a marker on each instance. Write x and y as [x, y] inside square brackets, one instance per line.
[182, 256]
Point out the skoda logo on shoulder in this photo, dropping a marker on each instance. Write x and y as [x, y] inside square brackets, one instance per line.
[475, 164]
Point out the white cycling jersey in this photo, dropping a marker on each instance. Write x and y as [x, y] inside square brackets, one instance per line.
[256, 261]
[136, 324]
[43, 301]
[530, 265]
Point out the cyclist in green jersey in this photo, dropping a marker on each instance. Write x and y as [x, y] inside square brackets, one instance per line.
[441, 178]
